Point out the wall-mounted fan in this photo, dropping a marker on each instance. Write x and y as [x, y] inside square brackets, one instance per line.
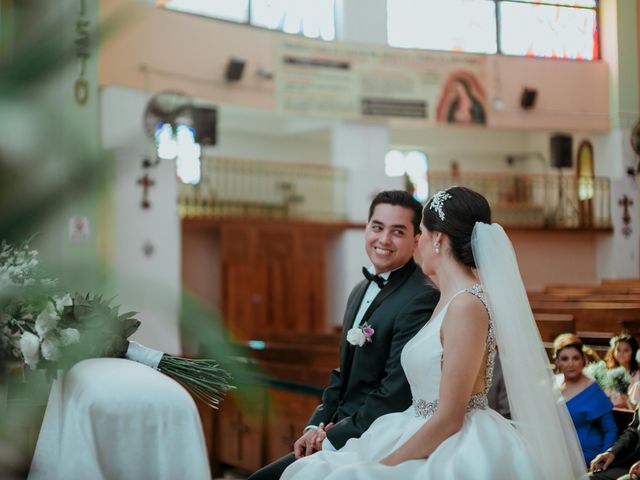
[635, 138]
[165, 107]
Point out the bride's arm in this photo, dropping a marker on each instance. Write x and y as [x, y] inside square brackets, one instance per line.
[464, 332]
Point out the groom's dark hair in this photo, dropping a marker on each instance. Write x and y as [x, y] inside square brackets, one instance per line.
[401, 199]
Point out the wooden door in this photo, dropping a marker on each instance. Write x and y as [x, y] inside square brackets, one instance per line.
[273, 279]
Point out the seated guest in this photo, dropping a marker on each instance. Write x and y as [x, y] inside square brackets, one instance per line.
[622, 353]
[588, 405]
[622, 460]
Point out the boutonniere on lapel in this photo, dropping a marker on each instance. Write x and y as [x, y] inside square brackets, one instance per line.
[358, 336]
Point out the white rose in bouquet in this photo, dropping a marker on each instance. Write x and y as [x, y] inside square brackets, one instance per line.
[355, 336]
[30, 348]
[62, 302]
[47, 320]
[49, 350]
[69, 336]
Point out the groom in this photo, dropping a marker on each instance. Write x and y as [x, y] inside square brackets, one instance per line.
[395, 301]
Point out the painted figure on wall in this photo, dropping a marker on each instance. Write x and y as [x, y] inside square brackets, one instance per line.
[462, 100]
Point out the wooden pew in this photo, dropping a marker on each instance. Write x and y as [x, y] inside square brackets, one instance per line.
[622, 417]
[635, 282]
[591, 316]
[295, 368]
[572, 296]
[550, 325]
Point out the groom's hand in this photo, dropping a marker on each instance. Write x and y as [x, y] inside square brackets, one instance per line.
[321, 434]
[602, 462]
[634, 471]
[305, 444]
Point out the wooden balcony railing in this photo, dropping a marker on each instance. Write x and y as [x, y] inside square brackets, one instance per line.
[237, 187]
[538, 201]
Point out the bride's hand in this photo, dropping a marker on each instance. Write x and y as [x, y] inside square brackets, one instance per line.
[390, 460]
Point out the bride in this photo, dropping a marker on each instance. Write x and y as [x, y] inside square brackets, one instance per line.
[449, 431]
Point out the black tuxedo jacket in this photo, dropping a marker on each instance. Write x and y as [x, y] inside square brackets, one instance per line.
[370, 381]
[627, 447]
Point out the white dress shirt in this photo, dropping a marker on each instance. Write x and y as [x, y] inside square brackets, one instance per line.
[369, 296]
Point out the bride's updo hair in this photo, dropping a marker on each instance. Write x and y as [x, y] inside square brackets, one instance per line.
[455, 211]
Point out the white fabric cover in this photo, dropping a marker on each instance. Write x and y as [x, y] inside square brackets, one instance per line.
[111, 418]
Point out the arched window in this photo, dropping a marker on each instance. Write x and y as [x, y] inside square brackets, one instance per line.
[586, 182]
[413, 165]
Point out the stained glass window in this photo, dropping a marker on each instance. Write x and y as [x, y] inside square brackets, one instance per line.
[311, 18]
[542, 30]
[235, 11]
[452, 25]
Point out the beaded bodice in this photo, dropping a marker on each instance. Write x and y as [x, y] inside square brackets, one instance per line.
[422, 356]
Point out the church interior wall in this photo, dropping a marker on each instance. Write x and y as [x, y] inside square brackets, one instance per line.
[573, 98]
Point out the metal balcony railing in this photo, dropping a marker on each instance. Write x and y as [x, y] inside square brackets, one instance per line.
[237, 187]
[538, 201]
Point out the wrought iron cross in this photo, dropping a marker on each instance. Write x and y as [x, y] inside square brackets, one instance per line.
[147, 182]
[626, 202]
[241, 428]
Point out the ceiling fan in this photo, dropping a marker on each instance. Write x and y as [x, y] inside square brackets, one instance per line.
[165, 107]
[635, 146]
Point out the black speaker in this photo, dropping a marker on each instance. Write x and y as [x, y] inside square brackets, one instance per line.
[561, 150]
[234, 70]
[205, 124]
[528, 98]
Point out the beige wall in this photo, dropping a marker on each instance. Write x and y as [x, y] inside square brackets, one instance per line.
[189, 53]
[186, 53]
[547, 257]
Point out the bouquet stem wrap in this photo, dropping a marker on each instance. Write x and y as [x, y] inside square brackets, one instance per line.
[141, 354]
[203, 378]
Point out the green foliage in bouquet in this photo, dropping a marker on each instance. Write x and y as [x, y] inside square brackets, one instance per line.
[597, 371]
[617, 380]
[51, 330]
[203, 378]
[71, 329]
[103, 329]
[611, 379]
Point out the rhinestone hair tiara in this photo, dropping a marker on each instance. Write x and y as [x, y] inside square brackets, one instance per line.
[437, 201]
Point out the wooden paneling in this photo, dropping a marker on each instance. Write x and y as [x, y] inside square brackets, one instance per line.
[240, 435]
[272, 275]
[287, 418]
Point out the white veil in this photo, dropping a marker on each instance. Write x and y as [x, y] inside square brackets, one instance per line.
[537, 408]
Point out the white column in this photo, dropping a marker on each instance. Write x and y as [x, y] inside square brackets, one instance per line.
[146, 256]
[360, 149]
[618, 255]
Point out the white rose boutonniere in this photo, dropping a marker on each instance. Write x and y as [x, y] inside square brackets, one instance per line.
[358, 336]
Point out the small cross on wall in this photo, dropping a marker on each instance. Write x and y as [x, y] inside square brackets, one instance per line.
[146, 182]
[626, 202]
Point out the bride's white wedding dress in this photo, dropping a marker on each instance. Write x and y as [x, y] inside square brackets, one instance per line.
[487, 447]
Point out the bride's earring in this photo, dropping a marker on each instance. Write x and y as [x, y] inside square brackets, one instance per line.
[437, 247]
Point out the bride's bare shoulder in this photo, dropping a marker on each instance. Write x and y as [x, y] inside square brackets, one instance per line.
[468, 311]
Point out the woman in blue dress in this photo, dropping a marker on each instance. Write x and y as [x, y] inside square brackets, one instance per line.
[588, 405]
